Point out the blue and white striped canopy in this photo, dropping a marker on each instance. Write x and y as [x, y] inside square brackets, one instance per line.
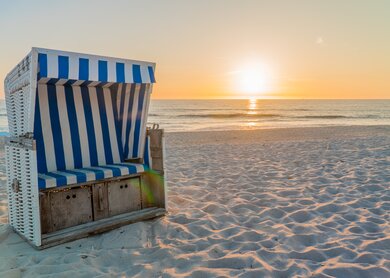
[54, 65]
[85, 129]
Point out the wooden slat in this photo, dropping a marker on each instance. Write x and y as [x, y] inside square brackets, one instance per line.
[156, 149]
[152, 186]
[100, 201]
[44, 203]
[99, 226]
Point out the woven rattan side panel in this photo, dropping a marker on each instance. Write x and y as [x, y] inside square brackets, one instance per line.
[23, 195]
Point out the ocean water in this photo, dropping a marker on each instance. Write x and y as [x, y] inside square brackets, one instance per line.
[193, 115]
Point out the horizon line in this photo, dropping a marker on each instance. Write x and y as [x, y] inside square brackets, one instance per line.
[270, 98]
[1, 99]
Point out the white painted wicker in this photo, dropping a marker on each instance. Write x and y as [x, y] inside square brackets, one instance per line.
[21, 166]
[23, 197]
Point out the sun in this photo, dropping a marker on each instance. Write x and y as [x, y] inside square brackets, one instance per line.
[252, 80]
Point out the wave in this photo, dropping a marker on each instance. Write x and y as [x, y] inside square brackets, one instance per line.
[324, 117]
[374, 117]
[263, 115]
[229, 115]
[341, 117]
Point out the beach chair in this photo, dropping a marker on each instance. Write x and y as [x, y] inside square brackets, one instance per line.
[80, 157]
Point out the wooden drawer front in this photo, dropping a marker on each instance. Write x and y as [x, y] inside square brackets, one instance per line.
[124, 196]
[63, 209]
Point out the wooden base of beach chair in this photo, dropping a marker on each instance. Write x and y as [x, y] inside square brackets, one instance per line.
[91, 208]
[67, 207]
[100, 226]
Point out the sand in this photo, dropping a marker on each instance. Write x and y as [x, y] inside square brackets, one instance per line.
[267, 203]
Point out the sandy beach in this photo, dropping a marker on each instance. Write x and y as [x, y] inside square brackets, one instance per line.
[305, 202]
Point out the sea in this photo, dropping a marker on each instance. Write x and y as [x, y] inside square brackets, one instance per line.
[201, 115]
[198, 115]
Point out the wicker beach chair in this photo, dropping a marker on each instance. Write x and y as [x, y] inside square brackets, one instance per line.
[80, 158]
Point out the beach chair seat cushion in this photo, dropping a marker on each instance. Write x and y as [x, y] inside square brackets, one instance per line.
[93, 173]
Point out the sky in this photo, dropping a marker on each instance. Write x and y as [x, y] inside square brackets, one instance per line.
[304, 49]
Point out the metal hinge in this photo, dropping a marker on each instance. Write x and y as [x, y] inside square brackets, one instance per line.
[25, 141]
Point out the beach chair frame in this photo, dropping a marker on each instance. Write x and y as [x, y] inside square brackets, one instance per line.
[28, 205]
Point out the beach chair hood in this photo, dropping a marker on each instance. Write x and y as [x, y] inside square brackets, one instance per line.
[86, 105]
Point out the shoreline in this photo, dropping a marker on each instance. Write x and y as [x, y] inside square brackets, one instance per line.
[272, 133]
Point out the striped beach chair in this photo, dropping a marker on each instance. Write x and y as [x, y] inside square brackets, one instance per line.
[80, 158]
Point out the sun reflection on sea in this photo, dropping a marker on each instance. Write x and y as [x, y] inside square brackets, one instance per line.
[252, 105]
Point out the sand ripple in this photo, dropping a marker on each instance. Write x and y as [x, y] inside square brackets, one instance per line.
[317, 208]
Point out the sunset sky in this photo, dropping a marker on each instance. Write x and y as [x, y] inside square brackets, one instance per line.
[219, 48]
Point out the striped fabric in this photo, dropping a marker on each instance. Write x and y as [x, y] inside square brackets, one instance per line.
[61, 65]
[67, 177]
[79, 127]
[90, 116]
[147, 154]
[75, 127]
[132, 107]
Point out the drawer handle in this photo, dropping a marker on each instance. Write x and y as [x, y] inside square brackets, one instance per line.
[73, 196]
